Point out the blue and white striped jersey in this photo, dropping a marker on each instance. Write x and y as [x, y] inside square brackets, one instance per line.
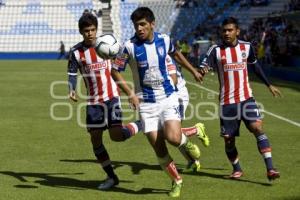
[148, 66]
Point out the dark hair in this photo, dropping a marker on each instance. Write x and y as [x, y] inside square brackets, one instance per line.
[141, 13]
[230, 20]
[87, 19]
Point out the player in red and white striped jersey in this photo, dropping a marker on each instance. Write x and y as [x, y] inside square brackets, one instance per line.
[103, 109]
[96, 74]
[231, 60]
[233, 75]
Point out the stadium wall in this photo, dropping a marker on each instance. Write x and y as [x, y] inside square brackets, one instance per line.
[29, 55]
[283, 73]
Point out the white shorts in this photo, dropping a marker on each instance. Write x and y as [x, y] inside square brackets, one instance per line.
[153, 115]
[183, 96]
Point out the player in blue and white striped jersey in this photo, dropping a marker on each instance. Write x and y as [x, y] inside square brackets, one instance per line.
[152, 82]
[158, 102]
[183, 97]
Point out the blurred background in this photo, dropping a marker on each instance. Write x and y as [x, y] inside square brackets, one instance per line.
[47, 29]
[45, 151]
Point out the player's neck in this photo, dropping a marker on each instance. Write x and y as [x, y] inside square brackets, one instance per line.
[149, 39]
[89, 44]
[232, 44]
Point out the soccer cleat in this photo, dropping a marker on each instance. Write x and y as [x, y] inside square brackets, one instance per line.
[193, 166]
[192, 150]
[273, 174]
[201, 134]
[236, 175]
[176, 188]
[109, 183]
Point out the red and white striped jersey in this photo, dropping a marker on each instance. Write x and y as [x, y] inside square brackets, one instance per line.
[96, 73]
[231, 64]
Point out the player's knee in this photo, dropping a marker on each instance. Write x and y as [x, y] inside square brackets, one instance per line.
[115, 134]
[174, 143]
[116, 138]
[173, 136]
[256, 129]
[229, 142]
[173, 139]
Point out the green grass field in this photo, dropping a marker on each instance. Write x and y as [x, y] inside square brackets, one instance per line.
[42, 158]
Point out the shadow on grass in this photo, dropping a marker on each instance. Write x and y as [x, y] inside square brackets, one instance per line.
[226, 177]
[59, 180]
[26, 186]
[137, 167]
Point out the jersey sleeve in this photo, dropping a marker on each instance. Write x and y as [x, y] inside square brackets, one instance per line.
[72, 72]
[72, 65]
[172, 48]
[210, 58]
[121, 60]
[251, 57]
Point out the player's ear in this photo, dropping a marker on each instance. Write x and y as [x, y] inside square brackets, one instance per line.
[238, 32]
[152, 24]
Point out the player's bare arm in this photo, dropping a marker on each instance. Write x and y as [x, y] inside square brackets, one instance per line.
[179, 58]
[174, 78]
[132, 98]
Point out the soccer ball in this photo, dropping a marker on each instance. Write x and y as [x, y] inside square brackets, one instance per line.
[107, 46]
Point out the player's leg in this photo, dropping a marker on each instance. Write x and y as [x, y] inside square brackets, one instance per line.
[233, 157]
[157, 141]
[174, 136]
[229, 129]
[123, 132]
[118, 131]
[150, 116]
[104, 160]
[193, 165]
[252, 119]
[171, 120]
[264, 148]
[96, 125]
[199, 128]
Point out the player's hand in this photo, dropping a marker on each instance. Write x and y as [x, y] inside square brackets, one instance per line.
[203, 70]
[198, 76]
[134, 101]
[72, 96]
[275, 92]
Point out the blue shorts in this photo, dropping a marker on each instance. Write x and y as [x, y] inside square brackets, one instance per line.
[104, 116]
[232, 114]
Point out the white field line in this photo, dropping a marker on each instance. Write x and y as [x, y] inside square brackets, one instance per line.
[282, 118]
[265, 111]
